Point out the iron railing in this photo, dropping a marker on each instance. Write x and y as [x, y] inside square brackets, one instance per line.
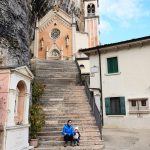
[78, 76]
[94, 107]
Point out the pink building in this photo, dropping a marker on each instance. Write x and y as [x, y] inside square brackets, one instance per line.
[14, 107]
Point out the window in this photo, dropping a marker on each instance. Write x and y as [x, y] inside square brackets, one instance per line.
[115, 106]
[55, 53]
[112, 65]
[137, 106]
[55, 33]
[91, 9]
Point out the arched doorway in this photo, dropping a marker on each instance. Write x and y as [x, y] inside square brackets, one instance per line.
[55, 54]
[20, 102]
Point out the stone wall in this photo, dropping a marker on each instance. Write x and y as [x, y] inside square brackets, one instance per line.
[16, 32]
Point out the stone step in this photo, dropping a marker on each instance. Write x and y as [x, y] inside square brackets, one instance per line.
[61, 124]
[94, 128]
[69, 114]
[59, 111]
[87, 147]
[56, 133]
[69, 118]
[59, 143]
[61, 138]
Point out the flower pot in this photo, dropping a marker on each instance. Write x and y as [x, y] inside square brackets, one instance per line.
[34, 143]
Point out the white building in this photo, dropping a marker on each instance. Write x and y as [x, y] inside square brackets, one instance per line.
[122, 72]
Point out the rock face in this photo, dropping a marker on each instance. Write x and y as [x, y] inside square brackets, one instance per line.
[15, 26]
[17, 22]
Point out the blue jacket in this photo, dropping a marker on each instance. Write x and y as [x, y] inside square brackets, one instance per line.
[68, 130]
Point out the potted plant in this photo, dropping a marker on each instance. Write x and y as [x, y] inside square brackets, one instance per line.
[36, 114]
[37, 121]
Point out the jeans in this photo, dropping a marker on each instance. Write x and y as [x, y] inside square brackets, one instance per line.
[68, 138]
[76, 141]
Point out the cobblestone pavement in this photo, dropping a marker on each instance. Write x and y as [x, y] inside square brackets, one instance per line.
[125, 139]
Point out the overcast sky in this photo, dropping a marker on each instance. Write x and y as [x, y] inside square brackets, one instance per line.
[123, 20]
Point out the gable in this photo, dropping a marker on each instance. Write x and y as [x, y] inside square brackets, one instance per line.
[24, 70]
[50, 17]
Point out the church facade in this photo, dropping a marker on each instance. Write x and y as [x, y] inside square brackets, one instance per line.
[65, 29]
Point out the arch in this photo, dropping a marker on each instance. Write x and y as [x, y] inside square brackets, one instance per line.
[55, 54]
[82, 66]
[91, 9]
[21, 90]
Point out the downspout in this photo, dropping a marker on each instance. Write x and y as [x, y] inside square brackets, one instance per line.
[101, 99]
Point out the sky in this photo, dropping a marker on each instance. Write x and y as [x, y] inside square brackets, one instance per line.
[122, 20]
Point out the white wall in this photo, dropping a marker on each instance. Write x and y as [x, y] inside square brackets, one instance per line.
[81, 41]
[132, 81]
[17, 138]
[86, 64]
[94, 77]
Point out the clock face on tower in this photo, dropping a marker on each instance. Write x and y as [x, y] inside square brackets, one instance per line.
[55, 33]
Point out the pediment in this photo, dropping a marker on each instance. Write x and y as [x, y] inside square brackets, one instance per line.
[51, 16]
[25, 71]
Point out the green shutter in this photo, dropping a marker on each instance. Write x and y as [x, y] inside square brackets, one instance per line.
[107, 106]
[122, 106]
[112, 64]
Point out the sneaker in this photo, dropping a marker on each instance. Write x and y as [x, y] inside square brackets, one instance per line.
[72, 144]
[65, 145]
[78, 144]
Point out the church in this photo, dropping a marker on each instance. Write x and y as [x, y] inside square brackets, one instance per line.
[68, 26]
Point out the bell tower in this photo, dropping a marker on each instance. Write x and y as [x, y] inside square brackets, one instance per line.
[91, 21]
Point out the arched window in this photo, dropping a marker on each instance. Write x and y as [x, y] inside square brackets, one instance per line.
[82, 66]
[20, 102]
[91, 9]
[55, 53]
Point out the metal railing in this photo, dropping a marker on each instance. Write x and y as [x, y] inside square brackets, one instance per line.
[78, 77]
[94, 107]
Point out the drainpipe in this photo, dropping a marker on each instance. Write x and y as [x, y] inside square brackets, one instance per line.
[101, 100]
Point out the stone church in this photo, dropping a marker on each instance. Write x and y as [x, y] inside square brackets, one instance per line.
[66, 27]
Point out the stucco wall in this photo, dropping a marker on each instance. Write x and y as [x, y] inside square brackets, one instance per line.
[132, 81]
[60, 42]
[94, 77]
[81, 41]
[86, 69]
[17, 138]
[4, 83]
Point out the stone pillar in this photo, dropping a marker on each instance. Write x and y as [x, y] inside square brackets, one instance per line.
[36, 41]
[26, 109]
[11, 108]
[73, 36]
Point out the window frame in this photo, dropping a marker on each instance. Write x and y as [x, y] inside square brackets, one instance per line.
[139, 109]
[91, 9]
[107, 65]
[108, 106]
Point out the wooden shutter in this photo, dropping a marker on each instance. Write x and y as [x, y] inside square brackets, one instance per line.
[112, 64]
[107, 106]
[122, 106]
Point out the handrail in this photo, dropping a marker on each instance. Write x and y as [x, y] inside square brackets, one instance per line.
[94, 107]
[79, 81]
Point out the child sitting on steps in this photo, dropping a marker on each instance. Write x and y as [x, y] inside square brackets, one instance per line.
[76, 136]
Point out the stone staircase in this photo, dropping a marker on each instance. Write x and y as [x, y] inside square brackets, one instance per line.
[62, 100]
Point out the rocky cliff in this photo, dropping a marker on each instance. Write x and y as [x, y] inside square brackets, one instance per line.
[17, 22]
[16, 31]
